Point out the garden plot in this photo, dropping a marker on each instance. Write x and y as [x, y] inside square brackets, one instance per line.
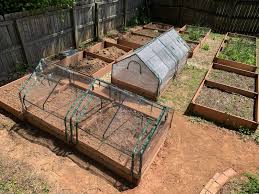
[118, 129]
[138, 39]
[229, 103]
[238, 51]
[228, 96]
[245, 82]
[195, 36]
[87, 63]
[132, 40]
[158, 26]
[110, 50]
[148, 32]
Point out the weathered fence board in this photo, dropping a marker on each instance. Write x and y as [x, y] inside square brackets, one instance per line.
[25, 37]
[222, 16]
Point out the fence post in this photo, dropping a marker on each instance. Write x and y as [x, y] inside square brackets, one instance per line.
[22, 42]
[75, 26]
[96, 21]
[125, 6]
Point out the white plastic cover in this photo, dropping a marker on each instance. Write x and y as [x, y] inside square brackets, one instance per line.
[164, 55]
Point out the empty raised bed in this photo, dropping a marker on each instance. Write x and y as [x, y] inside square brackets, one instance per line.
[195, 36]
[228, 96]
[87, 63]
[238, 51]
[147, 32]
[234, 77]
[110, 50]
[117, 129]
[158, 26]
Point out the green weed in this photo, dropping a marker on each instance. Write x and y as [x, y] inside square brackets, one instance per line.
[240, 49]
[206, 47]
[252, 185]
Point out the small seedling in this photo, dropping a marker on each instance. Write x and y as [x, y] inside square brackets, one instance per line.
[206, 47]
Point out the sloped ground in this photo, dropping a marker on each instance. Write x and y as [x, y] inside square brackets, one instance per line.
[193, 152]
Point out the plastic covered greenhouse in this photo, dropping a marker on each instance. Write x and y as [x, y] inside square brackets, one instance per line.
[147, 70]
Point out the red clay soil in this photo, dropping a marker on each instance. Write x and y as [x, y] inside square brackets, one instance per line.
[192, 154]
[138, 39]
[89, 66]
[111, 52]
[149, 32]
[159, 26]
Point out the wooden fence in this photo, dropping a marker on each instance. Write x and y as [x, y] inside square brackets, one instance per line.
[25, 37]
[221, 15]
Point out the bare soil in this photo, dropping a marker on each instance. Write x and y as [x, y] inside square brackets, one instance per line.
[178, 168]
[149, 32]
[233, 79]
[89, 66]
[112, 52]
[160, 26]
[227, 102]
[138, 39]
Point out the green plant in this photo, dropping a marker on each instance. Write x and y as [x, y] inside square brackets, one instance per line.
[206, 47]
[21, 67]
[252, 185]
[10, 6]
[244, 131]
[240, 49]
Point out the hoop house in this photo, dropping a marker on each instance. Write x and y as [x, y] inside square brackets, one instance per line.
[148, 70]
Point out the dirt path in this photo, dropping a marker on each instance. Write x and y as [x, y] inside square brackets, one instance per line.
[203, 58]
[192, 154]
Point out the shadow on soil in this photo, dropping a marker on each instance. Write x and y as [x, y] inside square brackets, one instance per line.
[39, 137]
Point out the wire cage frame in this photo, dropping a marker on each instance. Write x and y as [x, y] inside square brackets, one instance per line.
[118, 123]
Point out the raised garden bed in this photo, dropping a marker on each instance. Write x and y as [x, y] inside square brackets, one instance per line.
[110, 50]
[233, 77]
[229, 103]
[224, 99]
[138, 39]
[132, 40]
[120, 130]
[195, 36]
[158, 26]
[239, 51]
[147, 32]
[87, 63]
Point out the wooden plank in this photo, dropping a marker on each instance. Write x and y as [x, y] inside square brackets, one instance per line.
[230, 89]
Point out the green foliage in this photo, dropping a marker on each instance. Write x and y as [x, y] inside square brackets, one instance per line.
[206, 47]
[195, 33]
[240, 49]
[244, 131]
[10, 6]
[252, 185]
[21, 67]
[140, 18]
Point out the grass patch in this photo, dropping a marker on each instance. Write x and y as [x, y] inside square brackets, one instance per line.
[181, 90]
[17, 178]
[206, 47]
[240, 49]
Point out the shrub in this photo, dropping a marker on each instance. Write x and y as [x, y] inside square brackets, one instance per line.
[10, 6]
